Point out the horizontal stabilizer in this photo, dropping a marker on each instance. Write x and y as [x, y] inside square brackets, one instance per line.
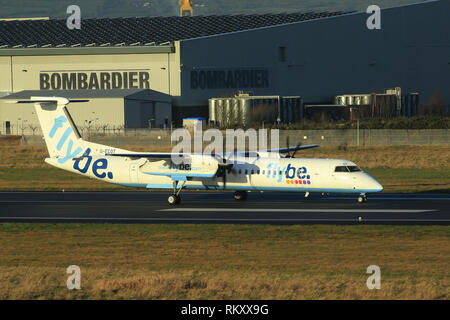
[60, 100]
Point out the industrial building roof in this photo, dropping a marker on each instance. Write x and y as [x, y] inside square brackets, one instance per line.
[139, 94]
[142, 31]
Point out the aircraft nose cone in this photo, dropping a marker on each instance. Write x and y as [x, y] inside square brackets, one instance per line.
[375, 185]
[378, 187]
[372, 184]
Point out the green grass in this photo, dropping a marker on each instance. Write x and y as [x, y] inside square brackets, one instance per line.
[223, 261]
[408, 174]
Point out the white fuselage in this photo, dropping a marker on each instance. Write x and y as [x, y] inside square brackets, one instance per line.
[256, 174]
[264, 170]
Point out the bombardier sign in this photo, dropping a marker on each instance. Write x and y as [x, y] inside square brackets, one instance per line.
[94, 80]
[229, 79]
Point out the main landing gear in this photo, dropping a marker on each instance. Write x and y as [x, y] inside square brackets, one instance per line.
[240, 195]
[362, 198]
[175, 198]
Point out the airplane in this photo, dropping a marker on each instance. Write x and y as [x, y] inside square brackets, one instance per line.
[240, 172]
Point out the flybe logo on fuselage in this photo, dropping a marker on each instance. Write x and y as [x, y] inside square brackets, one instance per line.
[291, 174]
[98, 167]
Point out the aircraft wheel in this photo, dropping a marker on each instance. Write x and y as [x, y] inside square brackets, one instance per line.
[240, 195]
[174, 199]
[362, 199]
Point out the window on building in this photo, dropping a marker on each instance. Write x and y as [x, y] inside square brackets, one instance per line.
[282, 54]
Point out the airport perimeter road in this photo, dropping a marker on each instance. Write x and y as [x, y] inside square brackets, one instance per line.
[215, 207]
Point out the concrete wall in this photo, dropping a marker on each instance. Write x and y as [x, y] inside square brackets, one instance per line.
[332, 56]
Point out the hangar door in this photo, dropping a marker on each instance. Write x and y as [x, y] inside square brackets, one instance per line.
[147, 114]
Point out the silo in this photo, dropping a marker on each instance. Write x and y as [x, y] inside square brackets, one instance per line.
[212, 104]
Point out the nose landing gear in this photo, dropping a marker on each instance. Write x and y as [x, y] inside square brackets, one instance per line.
[362, 198]
[175, 198]
[240, 195]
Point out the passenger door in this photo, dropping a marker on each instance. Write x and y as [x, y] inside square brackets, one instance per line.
[134, 170]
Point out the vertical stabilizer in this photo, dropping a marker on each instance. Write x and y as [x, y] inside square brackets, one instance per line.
[61, 135]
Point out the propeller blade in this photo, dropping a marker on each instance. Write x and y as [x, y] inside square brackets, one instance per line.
[287, 146]
[295, 151]
[224, 162]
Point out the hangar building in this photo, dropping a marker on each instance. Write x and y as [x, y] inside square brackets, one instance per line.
[187, 60]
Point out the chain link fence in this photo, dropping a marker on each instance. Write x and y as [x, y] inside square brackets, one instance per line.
[348, 137]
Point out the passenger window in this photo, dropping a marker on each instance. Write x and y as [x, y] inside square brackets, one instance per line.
[341, 169]
[240, 171]
[258, 172]
[253, 171]
[246, 171]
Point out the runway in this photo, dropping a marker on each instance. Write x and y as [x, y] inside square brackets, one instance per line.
[216, 207]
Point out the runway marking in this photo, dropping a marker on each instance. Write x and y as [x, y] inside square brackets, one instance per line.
[387, 198]
[297, 210]
[217, 219]
[302, 200]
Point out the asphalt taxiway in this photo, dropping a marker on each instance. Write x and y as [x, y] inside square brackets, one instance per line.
[220, 207]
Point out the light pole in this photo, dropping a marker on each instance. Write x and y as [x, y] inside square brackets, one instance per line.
[357, 123]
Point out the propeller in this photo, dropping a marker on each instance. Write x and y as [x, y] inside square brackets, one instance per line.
[224, 167]
[288, 145]
[295, 151]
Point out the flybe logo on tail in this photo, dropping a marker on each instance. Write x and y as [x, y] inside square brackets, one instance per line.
[62, 141]
[99, 166]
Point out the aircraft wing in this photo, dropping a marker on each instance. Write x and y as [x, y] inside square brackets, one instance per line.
[154, 155]
[151, 155]
[289, 149]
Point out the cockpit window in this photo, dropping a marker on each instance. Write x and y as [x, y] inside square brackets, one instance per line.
[347, 169]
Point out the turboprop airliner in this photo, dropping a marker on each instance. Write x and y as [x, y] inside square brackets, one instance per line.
[238, 172]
